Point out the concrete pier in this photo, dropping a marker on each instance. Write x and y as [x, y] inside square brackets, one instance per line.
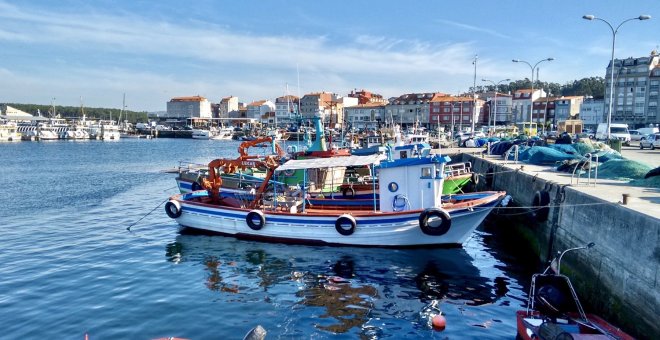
[619, 276]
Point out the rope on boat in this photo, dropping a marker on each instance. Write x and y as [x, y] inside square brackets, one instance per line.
[535, 208]
[149, 213]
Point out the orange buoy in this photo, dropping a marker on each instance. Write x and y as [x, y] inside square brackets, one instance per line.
[439, 322]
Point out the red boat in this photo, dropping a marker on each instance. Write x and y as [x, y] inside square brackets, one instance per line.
[554, 310]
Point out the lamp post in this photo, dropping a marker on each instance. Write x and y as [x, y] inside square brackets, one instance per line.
[474, 97]
[614, 32]
[531, 97]
[495, 106]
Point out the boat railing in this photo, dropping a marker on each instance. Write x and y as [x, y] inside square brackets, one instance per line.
[458, 169]
[580, 168]
[186, 166]
[514, 149]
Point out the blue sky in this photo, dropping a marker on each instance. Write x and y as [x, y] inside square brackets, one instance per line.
[155, 50]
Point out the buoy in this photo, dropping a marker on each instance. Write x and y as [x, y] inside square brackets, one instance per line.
[439, 322]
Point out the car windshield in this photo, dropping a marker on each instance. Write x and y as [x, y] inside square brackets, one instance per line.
[618, 130]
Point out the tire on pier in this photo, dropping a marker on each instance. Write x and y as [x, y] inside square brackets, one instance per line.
[173, 209]
[255, 219]
[345, 224]
[540, 205]
[431, 227]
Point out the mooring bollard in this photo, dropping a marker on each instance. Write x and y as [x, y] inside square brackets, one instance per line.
[625, 199]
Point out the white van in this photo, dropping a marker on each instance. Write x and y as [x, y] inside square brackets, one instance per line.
[648, 131]
[618, 131]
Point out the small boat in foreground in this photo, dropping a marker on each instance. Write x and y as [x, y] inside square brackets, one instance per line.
[554, 310]
[410, 209]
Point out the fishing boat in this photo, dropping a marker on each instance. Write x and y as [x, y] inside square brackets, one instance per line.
[554, 310]
[410, 211]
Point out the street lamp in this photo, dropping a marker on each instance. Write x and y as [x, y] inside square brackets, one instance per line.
[614, 32]
[495, 109]
[531, 97]
[474, 97]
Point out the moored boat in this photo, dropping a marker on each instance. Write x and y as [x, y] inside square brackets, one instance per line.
[410, 210]
[555, 312]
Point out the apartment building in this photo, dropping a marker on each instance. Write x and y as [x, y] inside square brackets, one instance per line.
[226, 105]
[364, 115]
[544, 111]
[522, 104]
[592, 113]
[262, 111]
[636, 90]
[286, 110]
[365, 97]
[188, 107]
[454, 112]
[410, 109]
[496, 105]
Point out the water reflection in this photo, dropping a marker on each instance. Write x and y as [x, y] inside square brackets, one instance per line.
[339, 288]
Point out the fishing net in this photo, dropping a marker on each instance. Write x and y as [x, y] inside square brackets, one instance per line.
[623, 169]
[565, 148]
[542, 155]
[651, 182]
[584, 147]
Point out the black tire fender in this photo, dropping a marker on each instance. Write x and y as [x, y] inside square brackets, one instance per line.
[342, 222]
[255, 219]
[348, 192]
[475, 179]
[540, 205]
[432, 228]
[173, 209]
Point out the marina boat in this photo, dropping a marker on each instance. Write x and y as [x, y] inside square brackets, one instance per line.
[223, 133]
[109, 130]
[9, 132]
[554, 310]
[410, 211]
[201, 134]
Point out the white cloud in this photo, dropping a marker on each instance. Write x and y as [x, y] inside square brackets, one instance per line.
[474, 28]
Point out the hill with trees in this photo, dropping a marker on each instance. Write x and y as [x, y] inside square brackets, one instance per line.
[73, 112]
[592, 86]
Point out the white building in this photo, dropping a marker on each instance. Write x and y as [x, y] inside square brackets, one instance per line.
[522, 104]
[228, 104]
[286, 109]
[262, 111]
[188, 107]
[592, 112]
[365, 115]
[636, 90]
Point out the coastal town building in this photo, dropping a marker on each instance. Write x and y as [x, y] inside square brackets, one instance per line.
[286, 110]
[522, 104]
[262, 111]
[496, 104]
[544, 112]
[454, 113]
[592, 113]
[366, 97]
[188, 108]
[226, 105]
[636, 90]
[568, 107]
[363, 116]
[327, 106]
[410, 109]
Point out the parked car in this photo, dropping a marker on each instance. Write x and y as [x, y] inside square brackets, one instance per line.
[650, 141]
[635, 135]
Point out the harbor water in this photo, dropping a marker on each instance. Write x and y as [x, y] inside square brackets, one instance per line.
[70, 267]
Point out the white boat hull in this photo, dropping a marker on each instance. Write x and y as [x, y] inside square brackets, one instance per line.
[393, 229]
